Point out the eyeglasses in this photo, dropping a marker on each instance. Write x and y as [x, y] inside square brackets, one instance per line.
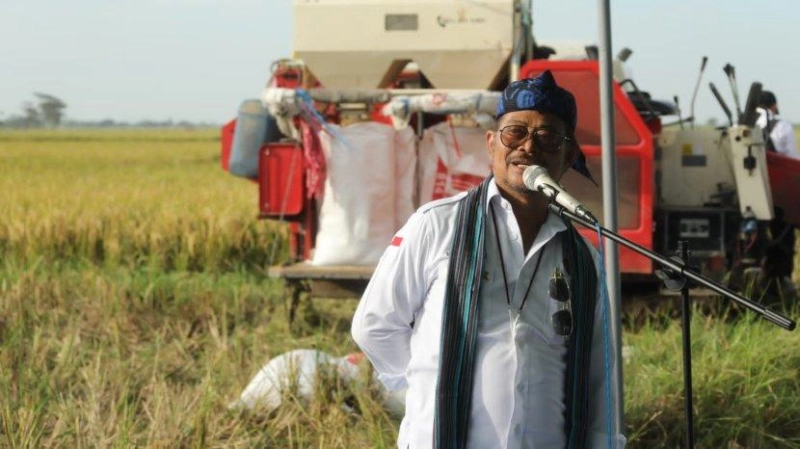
[559, 290]
[546, 139]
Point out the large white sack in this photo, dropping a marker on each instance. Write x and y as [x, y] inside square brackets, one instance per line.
[405, 151]
[366, 164]
[451, 160]
[296, 372]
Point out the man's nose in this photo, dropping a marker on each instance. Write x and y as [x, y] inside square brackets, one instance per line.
[528, 145]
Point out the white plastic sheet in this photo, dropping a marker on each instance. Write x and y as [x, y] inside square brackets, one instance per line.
[282, 104]
[481, 104]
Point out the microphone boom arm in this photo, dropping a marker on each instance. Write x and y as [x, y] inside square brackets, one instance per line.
[675, 273]
[680, 268]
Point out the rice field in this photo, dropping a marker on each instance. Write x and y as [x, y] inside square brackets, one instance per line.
[135, 307]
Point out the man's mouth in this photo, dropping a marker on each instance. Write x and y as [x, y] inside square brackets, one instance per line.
[522, 165]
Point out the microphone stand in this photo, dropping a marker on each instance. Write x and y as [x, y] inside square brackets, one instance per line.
[676, 273]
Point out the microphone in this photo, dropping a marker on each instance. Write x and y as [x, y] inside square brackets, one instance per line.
[537, 179]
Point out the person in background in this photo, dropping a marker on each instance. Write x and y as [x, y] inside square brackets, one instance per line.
[487, 307]
[778, 263]
[778, 133]
[779, 136]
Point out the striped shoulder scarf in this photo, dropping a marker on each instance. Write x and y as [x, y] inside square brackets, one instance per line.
[460, 327]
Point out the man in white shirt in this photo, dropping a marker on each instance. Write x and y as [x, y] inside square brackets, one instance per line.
[488, 308]
[779, 137]
[780, 132]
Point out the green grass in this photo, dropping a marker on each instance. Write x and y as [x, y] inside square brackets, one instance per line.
[134, 307]
[745, 378]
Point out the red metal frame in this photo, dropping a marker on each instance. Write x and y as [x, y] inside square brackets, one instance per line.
[281, 180]
[226, 139]
[630, 262]
[300, 210]
[784, 180]
[282, 194]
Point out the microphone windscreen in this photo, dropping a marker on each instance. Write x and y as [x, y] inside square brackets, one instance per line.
[531, 174]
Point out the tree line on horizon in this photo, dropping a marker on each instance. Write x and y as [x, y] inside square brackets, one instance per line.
[47, 112]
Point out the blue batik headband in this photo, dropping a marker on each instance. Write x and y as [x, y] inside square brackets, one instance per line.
[544, 95]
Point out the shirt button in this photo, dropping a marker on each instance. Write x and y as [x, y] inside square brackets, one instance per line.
[517, 428]
[514, 237]
[521, 388]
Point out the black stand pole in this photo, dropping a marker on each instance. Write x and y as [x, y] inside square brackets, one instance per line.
[676, 273]
[675, 282]
[683, 248]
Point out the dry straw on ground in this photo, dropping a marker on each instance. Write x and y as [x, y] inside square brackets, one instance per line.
[134, 307]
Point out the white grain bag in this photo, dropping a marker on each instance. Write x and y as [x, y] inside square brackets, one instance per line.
[451, 160]
[405, 151]
[357, 216]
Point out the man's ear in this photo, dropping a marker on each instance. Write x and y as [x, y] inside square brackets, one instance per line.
[571, 154]
[489, 136]
[574, 152]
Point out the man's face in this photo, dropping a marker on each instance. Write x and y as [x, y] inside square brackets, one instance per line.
[508, 163]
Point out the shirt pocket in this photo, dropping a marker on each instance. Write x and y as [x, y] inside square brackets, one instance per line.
[542, 328]
[540, 333]
[550, 334]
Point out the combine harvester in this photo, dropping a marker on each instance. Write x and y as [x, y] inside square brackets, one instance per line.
[368, 122]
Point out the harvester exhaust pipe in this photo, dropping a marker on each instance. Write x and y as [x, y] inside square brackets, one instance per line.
[721, 102]
[697, 86]
[750, 114]
[730, 71]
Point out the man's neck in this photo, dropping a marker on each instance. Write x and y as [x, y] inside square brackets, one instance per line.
[531, 212]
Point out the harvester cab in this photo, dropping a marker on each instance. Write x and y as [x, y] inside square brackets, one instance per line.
[368, 122]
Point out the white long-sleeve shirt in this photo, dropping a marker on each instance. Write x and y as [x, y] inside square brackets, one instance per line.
[782, 133]
[518, 392]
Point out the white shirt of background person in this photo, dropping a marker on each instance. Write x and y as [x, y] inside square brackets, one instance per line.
[782, 133]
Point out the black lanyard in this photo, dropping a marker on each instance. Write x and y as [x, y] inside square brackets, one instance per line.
[503, 265]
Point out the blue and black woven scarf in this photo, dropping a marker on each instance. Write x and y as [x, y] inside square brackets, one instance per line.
[460, 327]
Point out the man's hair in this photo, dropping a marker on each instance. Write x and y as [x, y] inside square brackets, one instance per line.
[767, 99]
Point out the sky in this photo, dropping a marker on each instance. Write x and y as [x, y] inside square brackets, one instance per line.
[196, 60]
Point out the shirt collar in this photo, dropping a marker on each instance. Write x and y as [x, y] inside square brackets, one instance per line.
[551, 226]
